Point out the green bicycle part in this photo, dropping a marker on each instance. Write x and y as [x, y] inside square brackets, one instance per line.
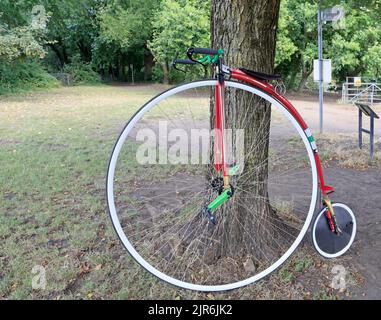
[213, 60]
[233, 170]
[217, 57]
[216, 203]
[205, 59]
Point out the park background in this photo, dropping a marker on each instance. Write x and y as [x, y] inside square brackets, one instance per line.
[71, 75]
[90, 41]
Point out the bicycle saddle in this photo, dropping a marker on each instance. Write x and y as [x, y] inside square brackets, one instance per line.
[260, 75]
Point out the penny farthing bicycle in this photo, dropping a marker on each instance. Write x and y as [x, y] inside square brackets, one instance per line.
[213, 184]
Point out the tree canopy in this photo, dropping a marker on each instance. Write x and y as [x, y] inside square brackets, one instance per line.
[114, 38]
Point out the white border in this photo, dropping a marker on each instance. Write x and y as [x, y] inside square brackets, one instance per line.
[110, 191]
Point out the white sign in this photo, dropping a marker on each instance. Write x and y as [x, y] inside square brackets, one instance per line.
[327, 70]
[357, 81]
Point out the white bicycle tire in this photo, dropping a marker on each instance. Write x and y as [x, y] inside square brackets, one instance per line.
[112, 208]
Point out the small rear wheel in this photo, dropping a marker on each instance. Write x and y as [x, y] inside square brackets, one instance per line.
[328, 243]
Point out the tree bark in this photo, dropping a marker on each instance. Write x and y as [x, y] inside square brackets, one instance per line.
[303, 80]
[85, 50]
[246, 30]
[60, 51]
[306, 72]
[148, 64]
[165, 69]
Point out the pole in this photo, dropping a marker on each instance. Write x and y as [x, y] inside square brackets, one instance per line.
[320, 47]
[371, 136]
[132, 73]
[372, 94]
[360, 128]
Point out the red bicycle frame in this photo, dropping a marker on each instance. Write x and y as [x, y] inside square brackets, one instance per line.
[219, 149]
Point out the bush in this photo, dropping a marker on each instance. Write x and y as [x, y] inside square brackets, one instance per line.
[81, 72]
[193, 72]
[24, 75]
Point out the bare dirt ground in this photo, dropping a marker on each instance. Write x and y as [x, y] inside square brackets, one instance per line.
[360, 189]
[338, 117]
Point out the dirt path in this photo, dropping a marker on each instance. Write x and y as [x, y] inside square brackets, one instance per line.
[361, 190]
[338, 117]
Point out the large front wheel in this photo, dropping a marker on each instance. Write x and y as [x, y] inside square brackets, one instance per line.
[162, 175]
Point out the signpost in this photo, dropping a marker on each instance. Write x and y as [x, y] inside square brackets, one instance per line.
[368, 111]
[357, 81]
[331, 14]
[320, 48]
[327, 70]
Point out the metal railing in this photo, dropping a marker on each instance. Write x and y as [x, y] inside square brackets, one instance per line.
[368, 92]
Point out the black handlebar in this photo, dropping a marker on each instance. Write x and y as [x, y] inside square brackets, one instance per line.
[182, 61]
[205, 51]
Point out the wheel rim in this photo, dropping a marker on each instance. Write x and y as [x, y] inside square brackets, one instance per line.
[130, 247]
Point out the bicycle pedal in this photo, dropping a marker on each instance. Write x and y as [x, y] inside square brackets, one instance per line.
[209, 215]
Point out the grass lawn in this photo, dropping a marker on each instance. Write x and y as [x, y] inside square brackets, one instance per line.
[54, 150]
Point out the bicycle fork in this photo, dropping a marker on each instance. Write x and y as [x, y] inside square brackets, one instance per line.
[221, 167]
[325, 189]
[219, 151]
[219, 145]
[330, 214]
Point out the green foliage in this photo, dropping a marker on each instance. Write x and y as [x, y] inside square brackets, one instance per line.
[178, 25]
[18, 76]
[354, 47]
[109, 36]
[286, 47]
[127, 23]
[22, 45]
[19, 42]
[174, 76]
[25, 40]
[124, 29]
[81, 72]
[297, 40]
[372, 61]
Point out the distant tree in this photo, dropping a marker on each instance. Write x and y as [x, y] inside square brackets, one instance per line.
[179, 24]
[24, 40]
[297, 41]
[64, 40]
[126, 27]
[355, 48]
[113, 34]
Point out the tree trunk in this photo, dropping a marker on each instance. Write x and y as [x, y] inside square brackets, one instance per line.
[165, 72]
[294, 73]
[85, 50]
[60, 51]
[246, 30]
[303, 80]
[148, 64]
